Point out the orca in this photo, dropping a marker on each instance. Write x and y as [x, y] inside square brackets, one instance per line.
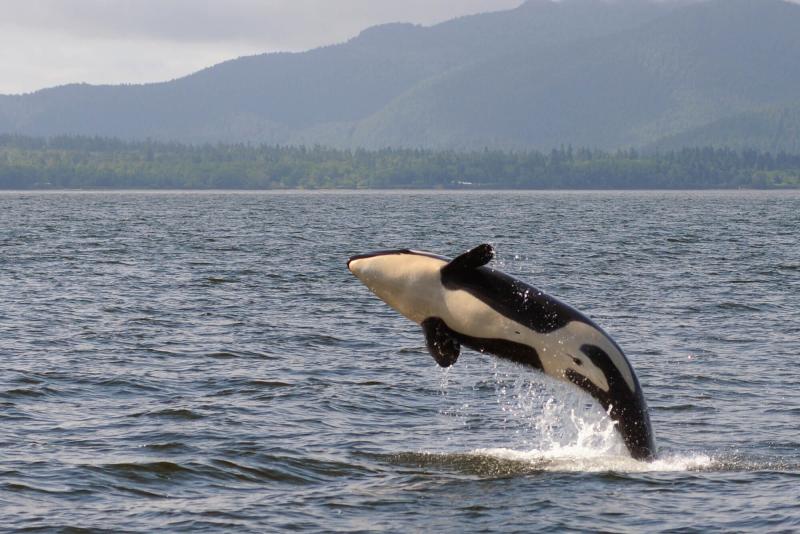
[464, 302]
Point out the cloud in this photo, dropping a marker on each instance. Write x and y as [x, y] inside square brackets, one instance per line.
[52, 42]
[36, 59]
[295, 22]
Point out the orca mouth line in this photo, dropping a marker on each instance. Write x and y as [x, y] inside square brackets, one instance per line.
[377, 253]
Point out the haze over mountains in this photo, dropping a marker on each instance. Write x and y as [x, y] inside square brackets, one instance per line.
[580, 72]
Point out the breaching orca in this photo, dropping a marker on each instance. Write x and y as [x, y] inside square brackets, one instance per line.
[463, 302]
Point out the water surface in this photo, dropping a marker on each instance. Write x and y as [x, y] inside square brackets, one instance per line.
[205, 362]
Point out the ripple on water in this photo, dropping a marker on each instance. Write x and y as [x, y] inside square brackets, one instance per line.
[153, 379]
[180, 414]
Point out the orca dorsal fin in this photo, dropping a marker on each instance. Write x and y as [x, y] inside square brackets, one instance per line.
[472, 259]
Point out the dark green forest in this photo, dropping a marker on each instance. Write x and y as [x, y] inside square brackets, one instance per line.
[95, 162]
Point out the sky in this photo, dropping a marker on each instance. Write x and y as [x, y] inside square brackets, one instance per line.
[44, 43]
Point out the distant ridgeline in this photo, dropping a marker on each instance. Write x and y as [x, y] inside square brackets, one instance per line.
[591, 73]
[94, 162]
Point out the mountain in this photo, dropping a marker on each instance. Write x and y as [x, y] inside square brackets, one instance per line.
[583, 72]
[772, 130]
[688, 68]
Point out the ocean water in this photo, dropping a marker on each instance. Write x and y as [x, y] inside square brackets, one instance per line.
[205, 362]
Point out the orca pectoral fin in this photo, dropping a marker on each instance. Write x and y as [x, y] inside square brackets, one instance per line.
[441, 341]
[472, 259]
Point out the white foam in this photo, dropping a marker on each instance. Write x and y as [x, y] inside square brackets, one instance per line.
[581, 459]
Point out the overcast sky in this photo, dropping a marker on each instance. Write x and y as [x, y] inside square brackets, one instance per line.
[52, 42]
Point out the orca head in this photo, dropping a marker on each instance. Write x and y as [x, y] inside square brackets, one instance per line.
[407, 280]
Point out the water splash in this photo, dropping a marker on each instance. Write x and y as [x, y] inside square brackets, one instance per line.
[545, 424]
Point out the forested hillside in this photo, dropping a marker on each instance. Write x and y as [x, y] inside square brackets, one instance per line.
[82, 162]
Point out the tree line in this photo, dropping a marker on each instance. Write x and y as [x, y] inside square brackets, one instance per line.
[97, 162]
